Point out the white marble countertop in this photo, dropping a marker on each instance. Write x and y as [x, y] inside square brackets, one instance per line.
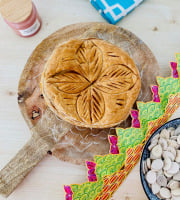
[156, 22]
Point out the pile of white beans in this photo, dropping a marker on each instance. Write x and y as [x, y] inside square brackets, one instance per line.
[162, 169]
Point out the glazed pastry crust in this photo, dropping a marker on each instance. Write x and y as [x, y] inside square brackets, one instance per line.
[90, 83]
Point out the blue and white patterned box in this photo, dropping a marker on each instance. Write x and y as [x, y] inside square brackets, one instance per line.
[114, 10]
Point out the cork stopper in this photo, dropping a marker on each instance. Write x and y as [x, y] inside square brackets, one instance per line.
[15, 11]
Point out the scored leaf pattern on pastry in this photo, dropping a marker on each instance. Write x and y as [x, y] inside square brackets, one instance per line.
[69, 82]
[116, 79]
[90, 105]
[91, 82]
[90, 59]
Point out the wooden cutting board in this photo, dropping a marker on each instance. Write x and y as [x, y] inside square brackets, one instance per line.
[53, 135]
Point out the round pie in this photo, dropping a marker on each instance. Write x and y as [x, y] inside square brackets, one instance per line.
[90, 83]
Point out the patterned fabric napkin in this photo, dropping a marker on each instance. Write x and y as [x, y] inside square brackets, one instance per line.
[114, 10]
[107, 172]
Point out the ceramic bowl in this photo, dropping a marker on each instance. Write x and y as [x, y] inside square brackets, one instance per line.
[146, 154]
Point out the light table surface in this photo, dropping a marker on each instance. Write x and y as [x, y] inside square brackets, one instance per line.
[156, 22]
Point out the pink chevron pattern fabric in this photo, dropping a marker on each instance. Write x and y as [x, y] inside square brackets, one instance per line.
[91, 171]
[135, 120]
[114, 148]
[69, 192]
[155, 93]
[174, 68]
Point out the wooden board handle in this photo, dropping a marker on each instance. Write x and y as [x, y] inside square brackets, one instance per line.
[24, 161]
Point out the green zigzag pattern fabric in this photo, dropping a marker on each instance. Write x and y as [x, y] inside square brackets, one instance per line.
[128, 138]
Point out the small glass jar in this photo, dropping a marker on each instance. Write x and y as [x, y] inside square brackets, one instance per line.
[29, 27]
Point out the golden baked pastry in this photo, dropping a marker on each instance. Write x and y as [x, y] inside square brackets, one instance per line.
[90, 83]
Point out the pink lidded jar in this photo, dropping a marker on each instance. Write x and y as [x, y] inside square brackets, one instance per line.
[21, 16]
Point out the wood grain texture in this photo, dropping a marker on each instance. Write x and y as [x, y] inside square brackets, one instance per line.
[25, 160]
[155, 22]
[79, 143]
